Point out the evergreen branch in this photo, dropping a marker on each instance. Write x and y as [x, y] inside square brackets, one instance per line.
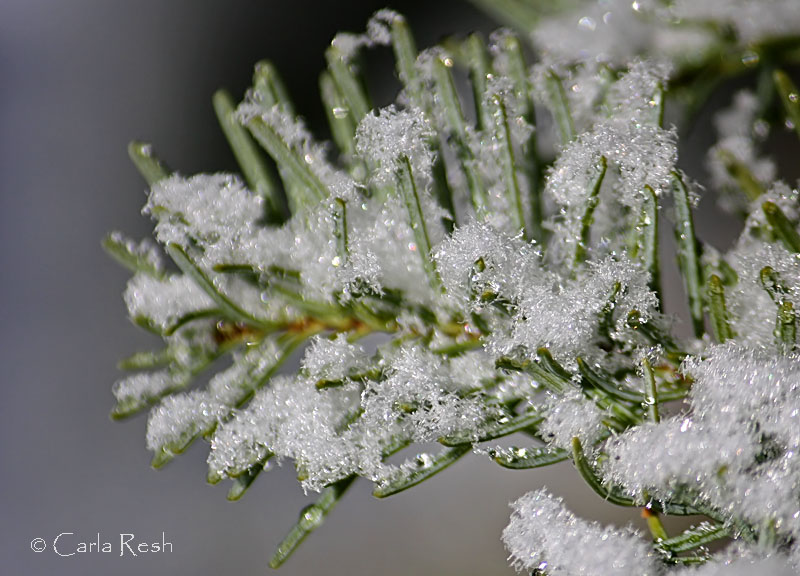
[591, 478]
[693, 538]
[527, 458]
[782, 226]
[502, 427]
[149, 166]
[446, 91]
[424, 470]
[588, 213]
[651, 391]
[790, 98]
[311, 518]
[559, 106]
[228, 308]
[718, 310]
[134, 260]
[688, 256]
[416, 216]
[303, 186]
[256, 172]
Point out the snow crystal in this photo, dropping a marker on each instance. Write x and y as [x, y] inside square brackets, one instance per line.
[564, 314]
[615, 31]
[748, 302]
[744, 559]
[607, 32]
[637, 151]
[544, 535]
[636, 96]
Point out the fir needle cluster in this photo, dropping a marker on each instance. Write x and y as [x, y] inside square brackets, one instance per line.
[459, 269]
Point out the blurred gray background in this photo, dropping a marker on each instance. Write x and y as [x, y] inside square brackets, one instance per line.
[78, 80]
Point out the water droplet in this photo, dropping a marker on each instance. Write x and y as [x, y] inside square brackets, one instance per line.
[424, 460]
[793, 97]
[587, 23]
[761, 129]
[336, 261]
[412, 246]
[750, 58]
[340, 112]
[311, 517]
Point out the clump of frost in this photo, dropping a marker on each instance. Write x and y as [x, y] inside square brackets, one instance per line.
[391, 137]
[180, 417]
[215, 211]
[571, 415]
[379, 33]
[742, 560]
[752, 20]
[144, 386]
[422, 398]
[749, 300]
[480, 265]
[780, 194]
[565, 315]
[289, 419]
[477, 258]
[637, 151]
[543, 535]
[332, 359]
[162, 303]
[420, 392]
[737, 447]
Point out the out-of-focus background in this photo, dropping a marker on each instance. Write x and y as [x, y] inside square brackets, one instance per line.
[78, 80]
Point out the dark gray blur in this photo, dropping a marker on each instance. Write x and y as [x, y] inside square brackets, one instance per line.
[78, 80]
